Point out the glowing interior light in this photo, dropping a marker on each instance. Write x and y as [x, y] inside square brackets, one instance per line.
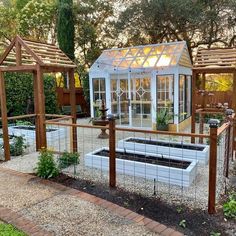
[150, 62]
[164, 61]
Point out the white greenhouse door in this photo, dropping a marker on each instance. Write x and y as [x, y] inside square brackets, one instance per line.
[120, 100]
[131, 100]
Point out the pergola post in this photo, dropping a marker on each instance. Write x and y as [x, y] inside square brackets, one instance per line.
[201, 115]
[4, 118]
[41, 127]
[36, 111]
[193, 106]
[73, 109]
[234, 108]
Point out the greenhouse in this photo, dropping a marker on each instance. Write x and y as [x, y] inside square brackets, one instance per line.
[144, 84]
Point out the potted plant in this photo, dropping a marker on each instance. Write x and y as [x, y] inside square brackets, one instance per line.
[163, 118]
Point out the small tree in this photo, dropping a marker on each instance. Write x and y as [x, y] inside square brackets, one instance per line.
[65, 28]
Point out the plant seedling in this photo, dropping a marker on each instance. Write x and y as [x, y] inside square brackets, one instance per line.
[215, 234]
[182, 224]
[179, 209]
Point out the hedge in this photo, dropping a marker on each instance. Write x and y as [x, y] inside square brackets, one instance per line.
[19, 89]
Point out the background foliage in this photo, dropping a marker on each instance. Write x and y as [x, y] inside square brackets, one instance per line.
[94, 25]
[19, 87]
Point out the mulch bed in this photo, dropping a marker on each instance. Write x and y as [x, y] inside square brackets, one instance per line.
[198, 222]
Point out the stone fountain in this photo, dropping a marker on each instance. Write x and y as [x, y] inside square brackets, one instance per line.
[102, 121]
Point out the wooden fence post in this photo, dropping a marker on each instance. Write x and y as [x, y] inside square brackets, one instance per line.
[212, 165]
[4, 118]
[112, 151]
[201, 126]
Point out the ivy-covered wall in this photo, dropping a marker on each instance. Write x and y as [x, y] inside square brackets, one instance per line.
[19, 91]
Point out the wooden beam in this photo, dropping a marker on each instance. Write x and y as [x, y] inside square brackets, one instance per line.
[203, 87]
[18, 54]
[4, 118]
[23, 68]
[36, 111]
[41, 108]
[112, 153]
[193, 106]
[234, 108]
[73, 109]
[9, 48]
[53, 68]
[213, 70]
[212, 170]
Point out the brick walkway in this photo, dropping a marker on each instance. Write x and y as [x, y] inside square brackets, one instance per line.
[13, 212]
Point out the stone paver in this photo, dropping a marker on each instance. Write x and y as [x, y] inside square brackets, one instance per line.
[40, 207]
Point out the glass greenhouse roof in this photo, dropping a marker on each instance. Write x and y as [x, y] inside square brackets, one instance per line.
[140, 57]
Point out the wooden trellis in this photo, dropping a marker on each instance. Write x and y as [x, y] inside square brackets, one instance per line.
[24, 55]
[214, 61]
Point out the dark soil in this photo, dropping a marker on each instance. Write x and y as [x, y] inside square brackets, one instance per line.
[166, 144]
[33, 128]
[180, 164]
[198, 222]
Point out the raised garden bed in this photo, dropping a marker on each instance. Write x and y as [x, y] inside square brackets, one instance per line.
[170, 170]
[28, 132]
[190, 151]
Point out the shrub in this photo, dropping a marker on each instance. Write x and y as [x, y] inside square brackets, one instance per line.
[17, 146]
[46, 167]
[230, 207]
[67, 159]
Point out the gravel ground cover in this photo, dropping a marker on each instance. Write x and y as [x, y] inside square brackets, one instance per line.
[60, 213]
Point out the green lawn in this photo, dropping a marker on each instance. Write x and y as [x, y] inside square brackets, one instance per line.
[9, 230]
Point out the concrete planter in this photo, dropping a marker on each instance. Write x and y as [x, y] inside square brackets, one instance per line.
[167, 148]
[166, 174]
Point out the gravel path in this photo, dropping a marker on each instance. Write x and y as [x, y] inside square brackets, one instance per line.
[58, 212]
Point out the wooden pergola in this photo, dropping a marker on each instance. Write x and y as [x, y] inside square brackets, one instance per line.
[214, 61]
[23, 55]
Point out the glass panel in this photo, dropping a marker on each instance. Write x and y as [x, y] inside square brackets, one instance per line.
[188, 96]
[174, 60]
[132, 52]
[150, 61]
[164, 60]
[138, 62]
[125, 63]
[184, 97]
[99, 94]
[141, 102]
[181, 97]
[119, 100]
[157, 50]
[169, 49]
[165, 94]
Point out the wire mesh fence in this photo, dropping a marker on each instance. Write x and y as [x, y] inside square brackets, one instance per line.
[21, 133]
[156, 164]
